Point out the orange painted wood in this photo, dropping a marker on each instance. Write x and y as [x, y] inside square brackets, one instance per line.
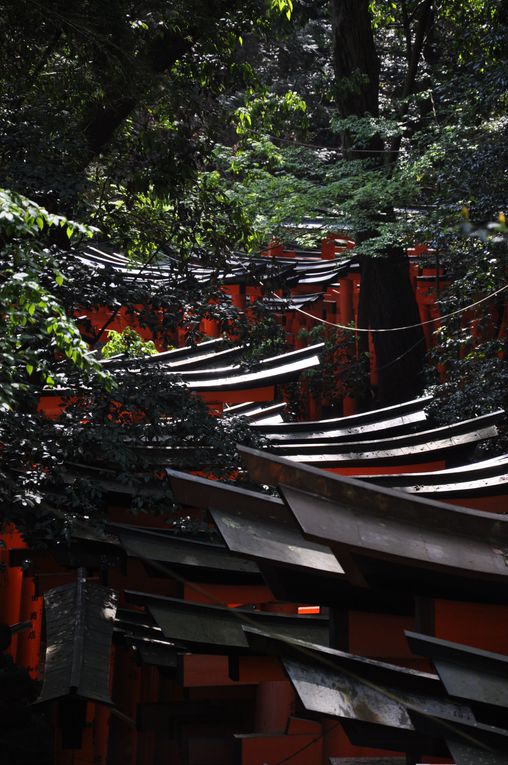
[237, 294]
[148, 694]
[346, 301]
[101, 315]
[85, 754]
[379, 635]
[210, 327]
[337, 744]
[266, 393]
[328, 247]
[275, 700]
[258, 669]
[226, 594]
[203, 670]
[474, 624]
[300, 725]
[11, 581]
[212, 750]
[53, 406]
[45, 582]
[125, 696]
[101, 734]
[349, 406]
[494, 504]
[260, 748]
[209, 672]
[137, 579]
[390, 470]
[29, 641]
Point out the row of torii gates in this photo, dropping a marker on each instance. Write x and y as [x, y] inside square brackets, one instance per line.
[310, 291]
[325, 624]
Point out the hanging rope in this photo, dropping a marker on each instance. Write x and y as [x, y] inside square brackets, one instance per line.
[397, 329]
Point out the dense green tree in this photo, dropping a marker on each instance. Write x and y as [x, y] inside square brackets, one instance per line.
[193, 128]
[416, 111]
[106, 114]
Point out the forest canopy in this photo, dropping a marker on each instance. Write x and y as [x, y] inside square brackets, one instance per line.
[194, 129]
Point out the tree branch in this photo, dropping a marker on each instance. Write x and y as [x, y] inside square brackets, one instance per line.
[422, 29]
[406, 25]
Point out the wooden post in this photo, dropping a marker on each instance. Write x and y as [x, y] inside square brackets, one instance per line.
[346, 301]
[11, 582]
[274, 704]
[339, 629]
[328, 247]
[148, 693]
[29, 641]
[126, 690]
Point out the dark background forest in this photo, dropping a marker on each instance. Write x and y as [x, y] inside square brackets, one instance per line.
[198, 129]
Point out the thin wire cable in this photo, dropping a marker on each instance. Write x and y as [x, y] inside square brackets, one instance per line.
[401, 356]
[308, 745]
[397, 329]
[378, 331]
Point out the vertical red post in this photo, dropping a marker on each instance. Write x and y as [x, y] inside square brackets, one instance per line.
[101, 734]
[126, 693]
[11, 581]
[149, 693]
[328, 247]
[274, 703]
[346, 301]
[29, 641]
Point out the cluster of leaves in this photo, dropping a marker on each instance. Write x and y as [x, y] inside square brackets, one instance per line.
[344, 370]
[107, 114]
[119, 414]
[127, 342]
[266, 336]
[470, 354]
[432, 143]
[124, 116]
[57, 474]
[38, 342]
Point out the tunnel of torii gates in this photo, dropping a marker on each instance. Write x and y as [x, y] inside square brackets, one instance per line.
[357, 614]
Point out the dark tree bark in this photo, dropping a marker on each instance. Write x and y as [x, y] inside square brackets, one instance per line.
[387, 299]
[128, 73]
[355, 57]
[109, 113]
[423, 26]
[357, 68]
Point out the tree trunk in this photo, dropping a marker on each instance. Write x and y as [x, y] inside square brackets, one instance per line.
[387, 299]
[357, 67]
[108, 113]
[355, 58]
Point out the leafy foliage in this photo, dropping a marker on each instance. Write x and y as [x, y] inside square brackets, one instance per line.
[344, 370]
[38, 342]
[57, 475]
[127, 342]
[188, 130]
